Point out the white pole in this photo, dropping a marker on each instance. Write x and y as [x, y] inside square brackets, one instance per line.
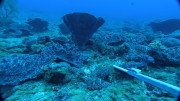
[165, 86]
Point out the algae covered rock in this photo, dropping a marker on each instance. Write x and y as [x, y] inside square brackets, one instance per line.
[57, 73]
[55, 77]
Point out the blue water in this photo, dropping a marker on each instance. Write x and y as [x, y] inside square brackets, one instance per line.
[114, 9]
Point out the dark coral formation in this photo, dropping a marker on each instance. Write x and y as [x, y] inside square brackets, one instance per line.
[82, 26]
[166, 27]
[38, 25]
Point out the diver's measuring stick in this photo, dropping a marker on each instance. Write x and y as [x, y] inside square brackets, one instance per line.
[165, 86]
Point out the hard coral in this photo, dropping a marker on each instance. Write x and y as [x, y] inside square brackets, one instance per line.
[20, 67]
[164, 59]
[170, 42]
[97, 84]
[17, 68]
[167, 26]
[103, 73]
[156, 44]
[38, 25]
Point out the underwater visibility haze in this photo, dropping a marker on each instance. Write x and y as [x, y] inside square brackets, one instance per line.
[78, 50]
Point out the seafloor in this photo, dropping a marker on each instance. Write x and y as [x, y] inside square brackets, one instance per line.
[86, 75]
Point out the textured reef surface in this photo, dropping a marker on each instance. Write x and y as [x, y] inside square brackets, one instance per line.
[166, 27]
[40, 60]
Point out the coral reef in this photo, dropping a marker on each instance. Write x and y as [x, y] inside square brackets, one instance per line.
[170, 42]
[13, 29]
[96, 84]
[174, 35]
[60, 40]
[49, 67]
[17, 68]
[103, 73]
[62, 97]
[8, 9]
[164, 59]
[130, 30]
[5, 22]
[20, 67]
[57, 73]
[38, 25]
[134, 65]
[166, 27]
[156, 44]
